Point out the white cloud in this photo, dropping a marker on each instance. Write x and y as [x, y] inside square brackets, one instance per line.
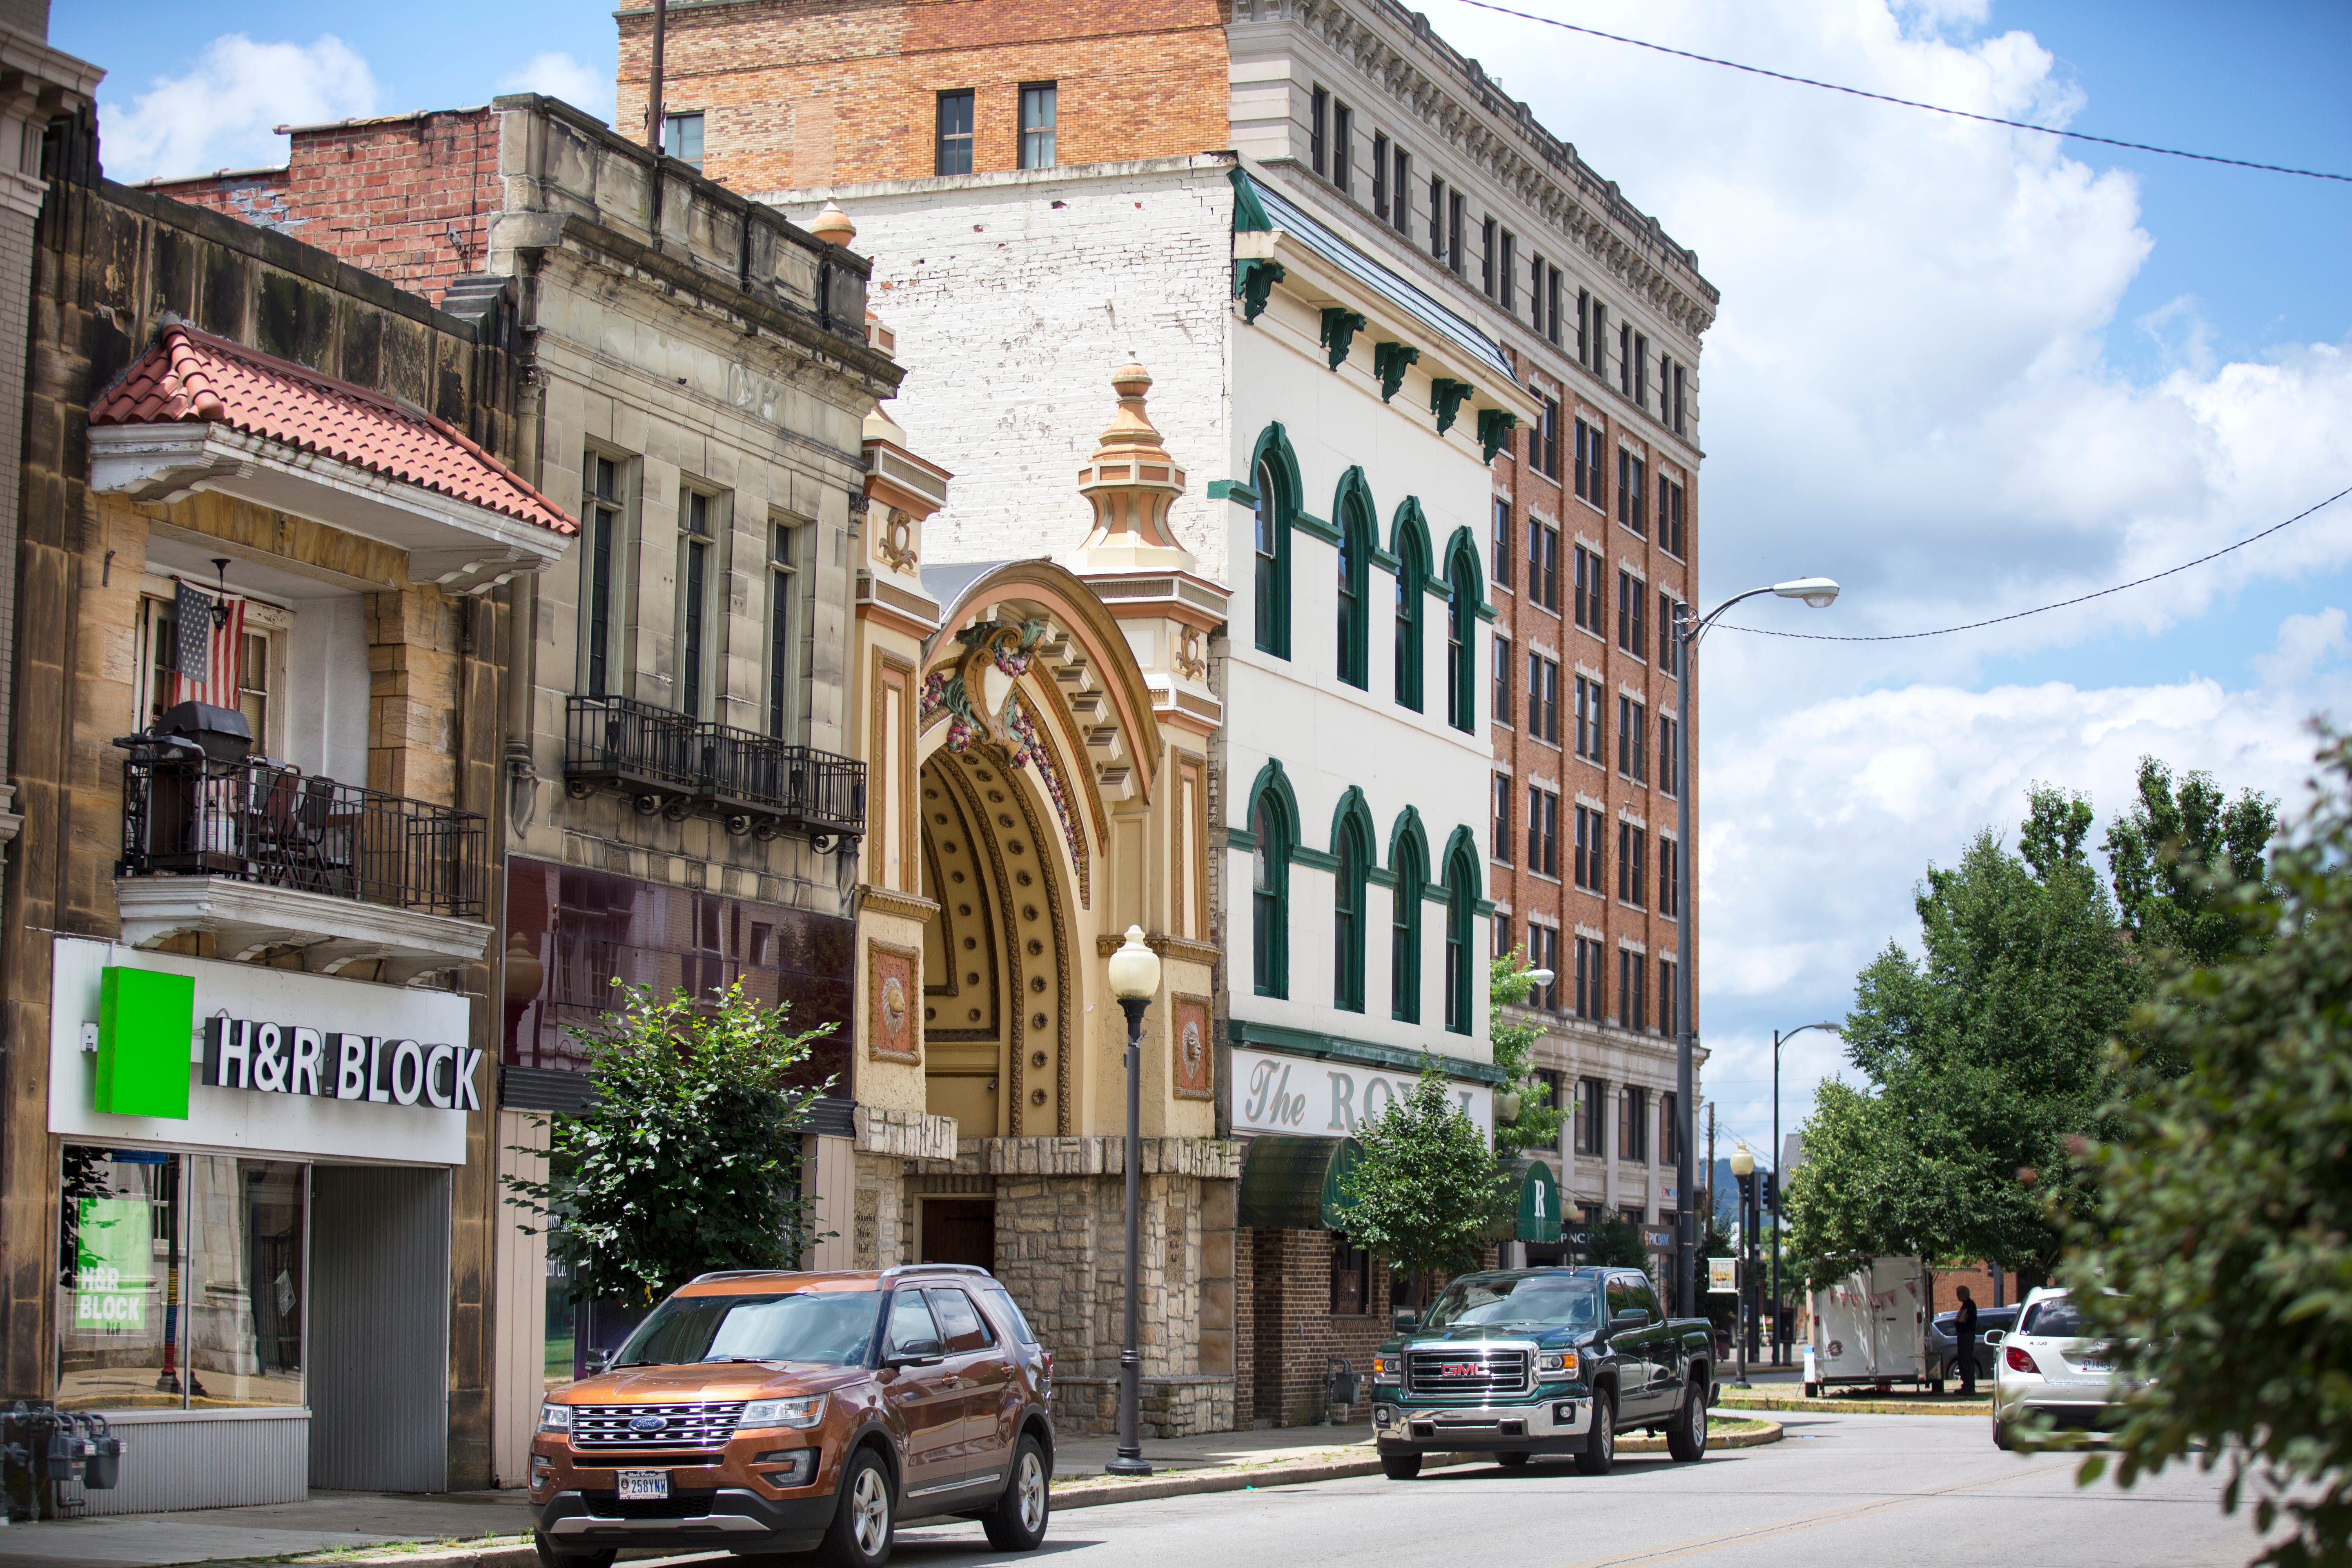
[220, 114]
[557, 74]
[2305, 642]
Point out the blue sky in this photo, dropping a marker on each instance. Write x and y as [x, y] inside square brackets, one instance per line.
[1964, 370]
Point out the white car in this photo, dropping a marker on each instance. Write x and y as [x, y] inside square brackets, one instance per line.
[2046, 1367]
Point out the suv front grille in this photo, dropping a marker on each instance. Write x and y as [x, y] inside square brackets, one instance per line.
[1470, 1369]
[608, 1428]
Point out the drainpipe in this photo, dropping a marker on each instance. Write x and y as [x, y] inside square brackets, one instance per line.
[654, 85]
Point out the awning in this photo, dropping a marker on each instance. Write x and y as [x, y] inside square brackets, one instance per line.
[1535, 1216]
[1290, 1182]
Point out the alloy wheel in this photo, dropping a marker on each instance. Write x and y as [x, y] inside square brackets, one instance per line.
[869, 1512]
[1029, 1489]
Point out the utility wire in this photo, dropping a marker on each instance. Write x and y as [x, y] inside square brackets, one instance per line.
[1906, 102]
[2043, 609]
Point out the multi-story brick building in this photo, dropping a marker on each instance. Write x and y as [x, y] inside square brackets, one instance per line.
[1055, 138]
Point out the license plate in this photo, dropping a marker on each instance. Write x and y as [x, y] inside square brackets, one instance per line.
[2093, 1366]
[644, 1486]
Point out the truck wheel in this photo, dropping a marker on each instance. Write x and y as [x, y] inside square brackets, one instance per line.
[549, 1557]
[1513, 1460]
[1399, 1466]
[1017, 1524]
[1687, 1438]
[864, 1517]
[1601, 1443]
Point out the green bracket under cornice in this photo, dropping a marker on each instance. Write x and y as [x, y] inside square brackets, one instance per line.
[1232, 490]
[1390, 362]
[1340, 326]
[1495, 425]
[1445, 399]
[1254, 279]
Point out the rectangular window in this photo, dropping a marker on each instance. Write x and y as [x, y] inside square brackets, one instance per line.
[1630, 593]
[1543, 699]
[1499, 569]
[1379, 175]
[695, 544]
[1039, 113]
[1498, 939]
[1629, 490]
[1641, 370]
[1588, 458]
[1632, 737]
[1352, 1279]
[1592, 1098]
[1503, 707]
[1318, 121]
[1487, 232]
[1670, 1121]
[1599, 364]
[1507, 273]
[1632, 864]
[1670, 860]
[1592, 977]
[1633, 1104]
[1589, 860]
[1543, 564]
[1437, 217]
[600, 558]
[1583, 326]
[953, 153]
[1343, 149]
[1551, 304]
[1590, 710]
[1499, 846]
[1670, 517]
[1455, 258]
[1547, 448]
[783, 632]
[1680, 428]
[1543, 952]
[1670, 759]
[1625, 358]
[1669, 648]
[1543, 831]
[682, 137]
[1400, 183]
[1591, 596]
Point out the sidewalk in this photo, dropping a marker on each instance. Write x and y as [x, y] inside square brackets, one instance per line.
[490, 1529]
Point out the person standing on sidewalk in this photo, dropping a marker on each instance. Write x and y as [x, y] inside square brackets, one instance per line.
[1964, 1337]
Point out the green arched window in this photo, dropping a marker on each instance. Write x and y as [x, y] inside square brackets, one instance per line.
[1355, 589]
[1270, 896]
[1353, 851]
[1460, 912]
[1412, 548]
[1271, 604]
[1404, 929]
[1461, 600]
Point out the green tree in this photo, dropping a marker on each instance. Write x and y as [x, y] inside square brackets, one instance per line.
[1510, 981]
[2218, 1258]
[2177, 854]
[1427, 1192]
[1613, 1242]
[688, 1159]
[1982, 1056]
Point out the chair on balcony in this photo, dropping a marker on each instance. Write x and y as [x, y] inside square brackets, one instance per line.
[290, 829]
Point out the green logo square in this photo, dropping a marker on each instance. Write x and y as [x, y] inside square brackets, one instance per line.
[145, 1023]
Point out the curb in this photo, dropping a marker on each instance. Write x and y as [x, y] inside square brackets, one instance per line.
[1091, 1493]
[1855, 1407]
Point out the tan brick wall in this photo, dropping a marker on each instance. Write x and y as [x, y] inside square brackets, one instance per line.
[1295, 1334]
[796, 94]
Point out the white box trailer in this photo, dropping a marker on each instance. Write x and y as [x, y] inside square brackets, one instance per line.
[1871, 1327]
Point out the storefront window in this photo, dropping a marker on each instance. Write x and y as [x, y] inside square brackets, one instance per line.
[181, 1281]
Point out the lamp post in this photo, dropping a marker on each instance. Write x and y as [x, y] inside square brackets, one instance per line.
[1780, 1177]
[1819, 593]
[1743, 1170]
[1134, 980]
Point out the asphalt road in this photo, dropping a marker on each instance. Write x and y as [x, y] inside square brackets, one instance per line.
[1918, 1491]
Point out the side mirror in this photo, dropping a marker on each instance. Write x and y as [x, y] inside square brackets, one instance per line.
[918, 1353]
[598, 1362]
[1405, 1321]
[1630, 1317]
[1990, 1339]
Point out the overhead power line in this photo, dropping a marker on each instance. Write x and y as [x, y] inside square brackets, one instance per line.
[2043, 609]
[1904, 102]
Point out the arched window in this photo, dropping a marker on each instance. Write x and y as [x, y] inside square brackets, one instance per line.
[1272, 515]
[1461, 908]
[1270, 896]
[1410, 590]
[1404, 932]
[1354, 856]
[1354, 555]
[1461, 615]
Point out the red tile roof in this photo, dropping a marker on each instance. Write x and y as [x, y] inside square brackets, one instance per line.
[194, 377]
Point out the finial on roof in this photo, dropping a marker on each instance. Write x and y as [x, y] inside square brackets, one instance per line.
[832, 223]
[1130, 482]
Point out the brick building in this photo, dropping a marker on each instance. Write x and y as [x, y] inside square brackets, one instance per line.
[1030, 197]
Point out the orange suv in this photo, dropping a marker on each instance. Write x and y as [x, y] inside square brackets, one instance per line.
[772, 1412]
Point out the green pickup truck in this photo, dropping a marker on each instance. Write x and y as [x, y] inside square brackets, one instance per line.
[1523, 1361]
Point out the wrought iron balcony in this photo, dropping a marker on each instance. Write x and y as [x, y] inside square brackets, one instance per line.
[673, 764]
[262, 822]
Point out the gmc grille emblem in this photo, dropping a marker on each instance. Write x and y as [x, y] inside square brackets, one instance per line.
[648, 1423]
[1462, 1369]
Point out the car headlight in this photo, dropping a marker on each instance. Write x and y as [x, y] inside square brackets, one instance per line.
[555, 1417]
[803, 1412]
[787, 1467]
[1381, 1366]
[1562, 1363]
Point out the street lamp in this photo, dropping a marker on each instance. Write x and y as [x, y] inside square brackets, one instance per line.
[1780, 1177]
[1134, 980]
[1743, 1170]
[1819, 593]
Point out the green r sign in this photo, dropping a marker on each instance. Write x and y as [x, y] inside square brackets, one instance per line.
[146, 1029]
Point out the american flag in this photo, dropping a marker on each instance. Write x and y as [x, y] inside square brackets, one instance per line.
[206, 650]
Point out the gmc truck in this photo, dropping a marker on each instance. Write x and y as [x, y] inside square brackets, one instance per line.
[1541, 1360]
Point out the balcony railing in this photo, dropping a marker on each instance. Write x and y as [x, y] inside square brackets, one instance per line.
[752, 779]
[259, 821]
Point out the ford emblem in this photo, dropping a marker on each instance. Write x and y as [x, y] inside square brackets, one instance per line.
[648, 1423]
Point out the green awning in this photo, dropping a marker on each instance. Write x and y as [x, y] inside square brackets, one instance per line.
[1290, 1182]
[1535, 1216]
